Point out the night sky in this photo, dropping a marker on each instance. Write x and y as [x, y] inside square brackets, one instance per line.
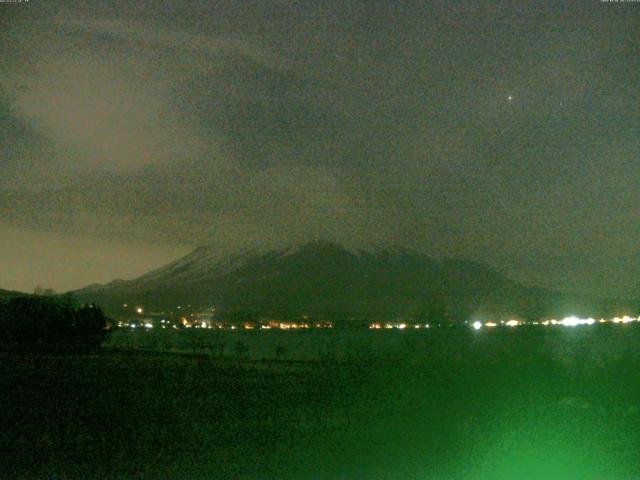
[506, 132]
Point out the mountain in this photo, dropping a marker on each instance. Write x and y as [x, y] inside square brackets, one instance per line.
[10, 293]
[324, 278]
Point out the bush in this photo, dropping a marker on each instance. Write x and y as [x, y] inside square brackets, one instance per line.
[45, 323]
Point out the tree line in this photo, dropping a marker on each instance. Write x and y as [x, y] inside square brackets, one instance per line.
[50, 323]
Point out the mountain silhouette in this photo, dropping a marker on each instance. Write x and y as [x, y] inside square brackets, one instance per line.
[324, 278]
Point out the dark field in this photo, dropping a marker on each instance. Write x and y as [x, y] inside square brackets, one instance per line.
[560, 403]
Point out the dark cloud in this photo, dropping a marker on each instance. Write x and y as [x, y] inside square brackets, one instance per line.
[507, 133]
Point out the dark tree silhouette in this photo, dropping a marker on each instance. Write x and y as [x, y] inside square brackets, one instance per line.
[47, 323]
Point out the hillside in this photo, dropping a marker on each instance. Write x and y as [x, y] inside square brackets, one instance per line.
[326, 278]
[10, 293]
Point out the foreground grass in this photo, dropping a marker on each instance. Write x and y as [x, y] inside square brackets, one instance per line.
[479, 408]
[122, 415]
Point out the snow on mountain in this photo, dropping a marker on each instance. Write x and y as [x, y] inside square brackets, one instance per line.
[325, 277]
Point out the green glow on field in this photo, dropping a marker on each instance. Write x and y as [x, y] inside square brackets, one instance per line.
[550, 449]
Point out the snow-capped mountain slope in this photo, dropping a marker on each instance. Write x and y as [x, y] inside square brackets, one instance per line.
[324, 277]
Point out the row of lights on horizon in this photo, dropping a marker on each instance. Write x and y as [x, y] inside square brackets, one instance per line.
[571, 321]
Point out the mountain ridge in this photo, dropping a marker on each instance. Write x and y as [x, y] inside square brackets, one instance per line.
[11, 293]
[325, 278]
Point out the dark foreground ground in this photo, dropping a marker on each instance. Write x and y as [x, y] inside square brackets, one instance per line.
[500, 405]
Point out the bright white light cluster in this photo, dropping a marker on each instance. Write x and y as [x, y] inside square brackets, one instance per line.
[575, 321]
[625, 319]
[571, 321]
